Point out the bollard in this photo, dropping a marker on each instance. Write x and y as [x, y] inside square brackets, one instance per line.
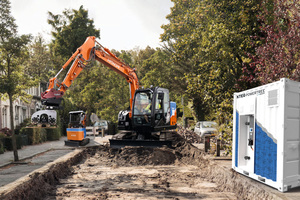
[218, 147]
[207, 143]
[102, 130]
[94, 131]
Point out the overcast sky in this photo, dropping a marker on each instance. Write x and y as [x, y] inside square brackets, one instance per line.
[123, 24]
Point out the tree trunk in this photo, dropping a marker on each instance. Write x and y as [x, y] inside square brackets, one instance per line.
[14, 142]
[0, 113]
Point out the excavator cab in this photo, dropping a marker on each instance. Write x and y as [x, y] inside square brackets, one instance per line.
[152, 112]
[153, 117]
[77, 119]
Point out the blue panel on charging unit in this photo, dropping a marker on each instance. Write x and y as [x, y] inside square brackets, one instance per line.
[265, 154]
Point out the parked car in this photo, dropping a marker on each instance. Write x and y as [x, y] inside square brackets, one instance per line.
[102, 124]
[204, 128]
[97, 127]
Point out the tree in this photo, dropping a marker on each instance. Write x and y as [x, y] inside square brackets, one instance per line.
[39, 64]
[138, 57]
[279, 55]
[7, 22]
[69, 32]
[13, 53]
[209, 42]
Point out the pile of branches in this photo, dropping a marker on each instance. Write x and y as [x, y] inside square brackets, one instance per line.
[188, 135]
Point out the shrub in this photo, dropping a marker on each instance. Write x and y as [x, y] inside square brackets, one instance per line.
[43, 135]
[53, 133]
[7, 142]
[25, 123]
[1, 147]
[1, 143]
[6, 131]
[34, 134]
[38, 135]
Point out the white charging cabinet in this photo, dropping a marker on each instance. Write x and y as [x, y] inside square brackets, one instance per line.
[266, 134]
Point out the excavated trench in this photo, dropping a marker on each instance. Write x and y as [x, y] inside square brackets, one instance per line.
[183, 172]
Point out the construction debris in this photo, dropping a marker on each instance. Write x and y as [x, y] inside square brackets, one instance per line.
[189, 135]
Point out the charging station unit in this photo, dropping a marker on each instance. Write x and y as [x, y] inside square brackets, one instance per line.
[266, 134]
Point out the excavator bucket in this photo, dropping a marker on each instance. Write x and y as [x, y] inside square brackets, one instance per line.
[52, 98]
[53, 102]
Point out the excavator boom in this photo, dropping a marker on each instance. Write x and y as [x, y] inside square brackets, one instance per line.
[90, 50]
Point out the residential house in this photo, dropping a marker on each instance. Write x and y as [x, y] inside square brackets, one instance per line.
[22, 110]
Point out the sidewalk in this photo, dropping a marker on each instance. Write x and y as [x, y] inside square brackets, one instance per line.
[31, 150]
[33, 157]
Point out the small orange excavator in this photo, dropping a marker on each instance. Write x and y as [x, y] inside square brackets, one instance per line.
[151, 117]
[76, 130]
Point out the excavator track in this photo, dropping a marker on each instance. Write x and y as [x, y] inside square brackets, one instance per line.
[73, 143]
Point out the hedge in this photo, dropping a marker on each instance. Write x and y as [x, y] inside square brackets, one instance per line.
[29, 136]
[7, 143]
[38, 135]
[53, 133]
[1, 146]
[35, 135]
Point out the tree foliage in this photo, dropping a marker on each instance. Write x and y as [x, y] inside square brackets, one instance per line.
[14, 78]
[39, 63]
[210, 42]
[7, 21]
[70, 29]
[279, 56]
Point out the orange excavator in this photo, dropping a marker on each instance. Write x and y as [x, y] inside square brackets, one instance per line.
[151, 116]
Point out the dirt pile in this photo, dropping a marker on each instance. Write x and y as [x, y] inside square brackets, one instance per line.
[182, 152]
[188, 135]
[139, 156]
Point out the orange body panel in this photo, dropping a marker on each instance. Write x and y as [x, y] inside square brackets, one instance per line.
[75, 134]
[173, 119]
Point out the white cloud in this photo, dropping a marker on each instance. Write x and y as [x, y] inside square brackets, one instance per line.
[123, 24]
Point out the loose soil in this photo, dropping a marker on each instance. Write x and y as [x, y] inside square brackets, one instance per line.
[183, 172]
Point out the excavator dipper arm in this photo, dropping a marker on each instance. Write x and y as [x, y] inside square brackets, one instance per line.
[90, 50]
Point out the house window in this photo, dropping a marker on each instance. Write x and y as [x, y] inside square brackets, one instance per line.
[4, 117]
